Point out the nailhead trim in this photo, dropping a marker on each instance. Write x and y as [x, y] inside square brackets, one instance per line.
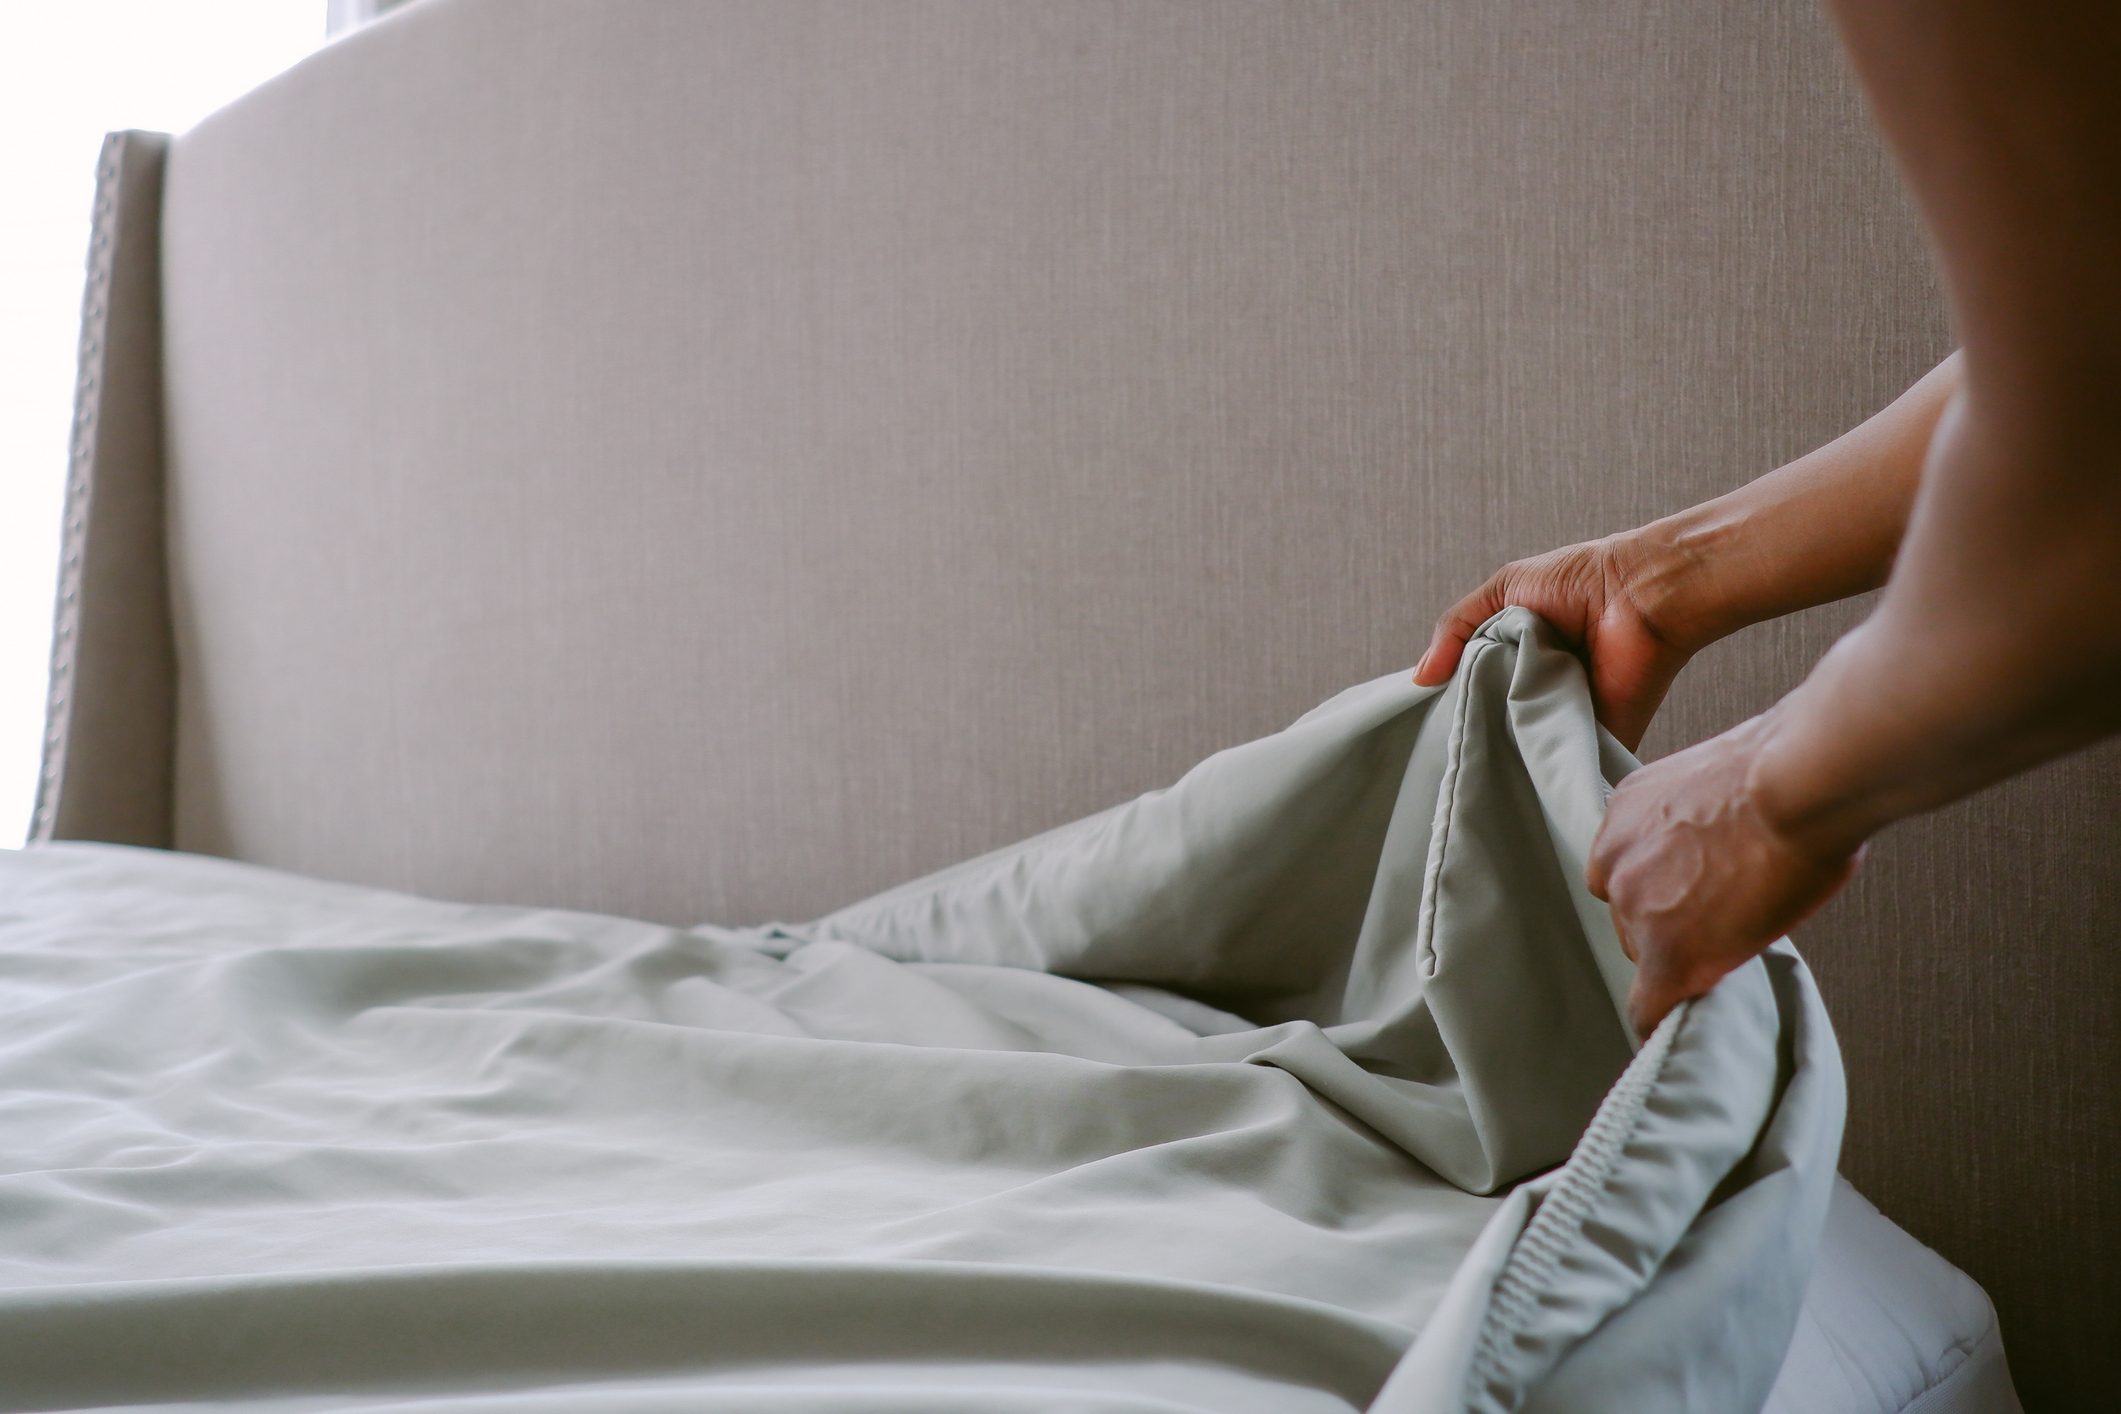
[88, 400]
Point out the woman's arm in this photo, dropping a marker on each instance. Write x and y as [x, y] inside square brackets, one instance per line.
[1822, 528]
[1996, 646]
[1997, 643]
[1637, 605]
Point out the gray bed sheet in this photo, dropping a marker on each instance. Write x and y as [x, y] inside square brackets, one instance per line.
[1300, 1085]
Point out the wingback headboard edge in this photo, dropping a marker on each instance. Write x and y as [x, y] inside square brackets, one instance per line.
[108, 745]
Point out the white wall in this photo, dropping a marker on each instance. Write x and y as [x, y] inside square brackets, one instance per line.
[69, 72]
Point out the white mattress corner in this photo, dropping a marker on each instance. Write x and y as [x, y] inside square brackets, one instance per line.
[1890, 1327]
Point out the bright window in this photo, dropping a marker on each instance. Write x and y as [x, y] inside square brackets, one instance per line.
[68, 73]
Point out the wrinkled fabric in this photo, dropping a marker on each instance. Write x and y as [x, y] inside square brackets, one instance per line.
[1290, 1087]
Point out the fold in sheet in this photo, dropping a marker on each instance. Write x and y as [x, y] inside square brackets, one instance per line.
[1248, 1094]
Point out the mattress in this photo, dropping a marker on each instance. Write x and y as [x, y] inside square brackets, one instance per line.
[1300, 1085]
[1890, 1327]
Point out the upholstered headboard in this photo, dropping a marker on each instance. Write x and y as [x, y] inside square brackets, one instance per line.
[715, 459]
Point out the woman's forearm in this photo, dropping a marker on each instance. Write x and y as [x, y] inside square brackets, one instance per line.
[1997, 643]
[1996, 646]
[1821, 528]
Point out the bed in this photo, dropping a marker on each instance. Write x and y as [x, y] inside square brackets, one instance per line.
[1025, 404]
[1301, 1083]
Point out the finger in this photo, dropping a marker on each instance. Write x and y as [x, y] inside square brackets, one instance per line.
[1447, 645]
[1628, 718]
[1627, 944]
[1665, 976]
[1628, 685]
[1598, 869]
[1650, 997]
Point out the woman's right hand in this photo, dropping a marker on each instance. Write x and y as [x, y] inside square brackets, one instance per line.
[1607, 599]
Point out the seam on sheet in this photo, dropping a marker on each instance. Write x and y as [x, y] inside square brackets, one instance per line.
[1934, 1391]
[1446, 809]
[88, 406]
[1534, 1259]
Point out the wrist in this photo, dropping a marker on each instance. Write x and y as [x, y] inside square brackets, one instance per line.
[1668, 570]
[1800, 782]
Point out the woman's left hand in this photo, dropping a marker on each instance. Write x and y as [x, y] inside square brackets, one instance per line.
[1699, 879]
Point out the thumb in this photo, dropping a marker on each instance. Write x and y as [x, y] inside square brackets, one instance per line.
[1628, 685]
[1448, 644]
[1657, 988]
[1647, 1005]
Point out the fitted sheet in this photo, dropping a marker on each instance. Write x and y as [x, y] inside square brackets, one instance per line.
[1300, 1085]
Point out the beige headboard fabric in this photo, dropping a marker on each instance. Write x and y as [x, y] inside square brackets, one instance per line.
[711, 460]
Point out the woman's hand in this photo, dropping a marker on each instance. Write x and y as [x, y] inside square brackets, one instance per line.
[1710, 855]
[1598, 596]
[1698, 874]
[1636, 606]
